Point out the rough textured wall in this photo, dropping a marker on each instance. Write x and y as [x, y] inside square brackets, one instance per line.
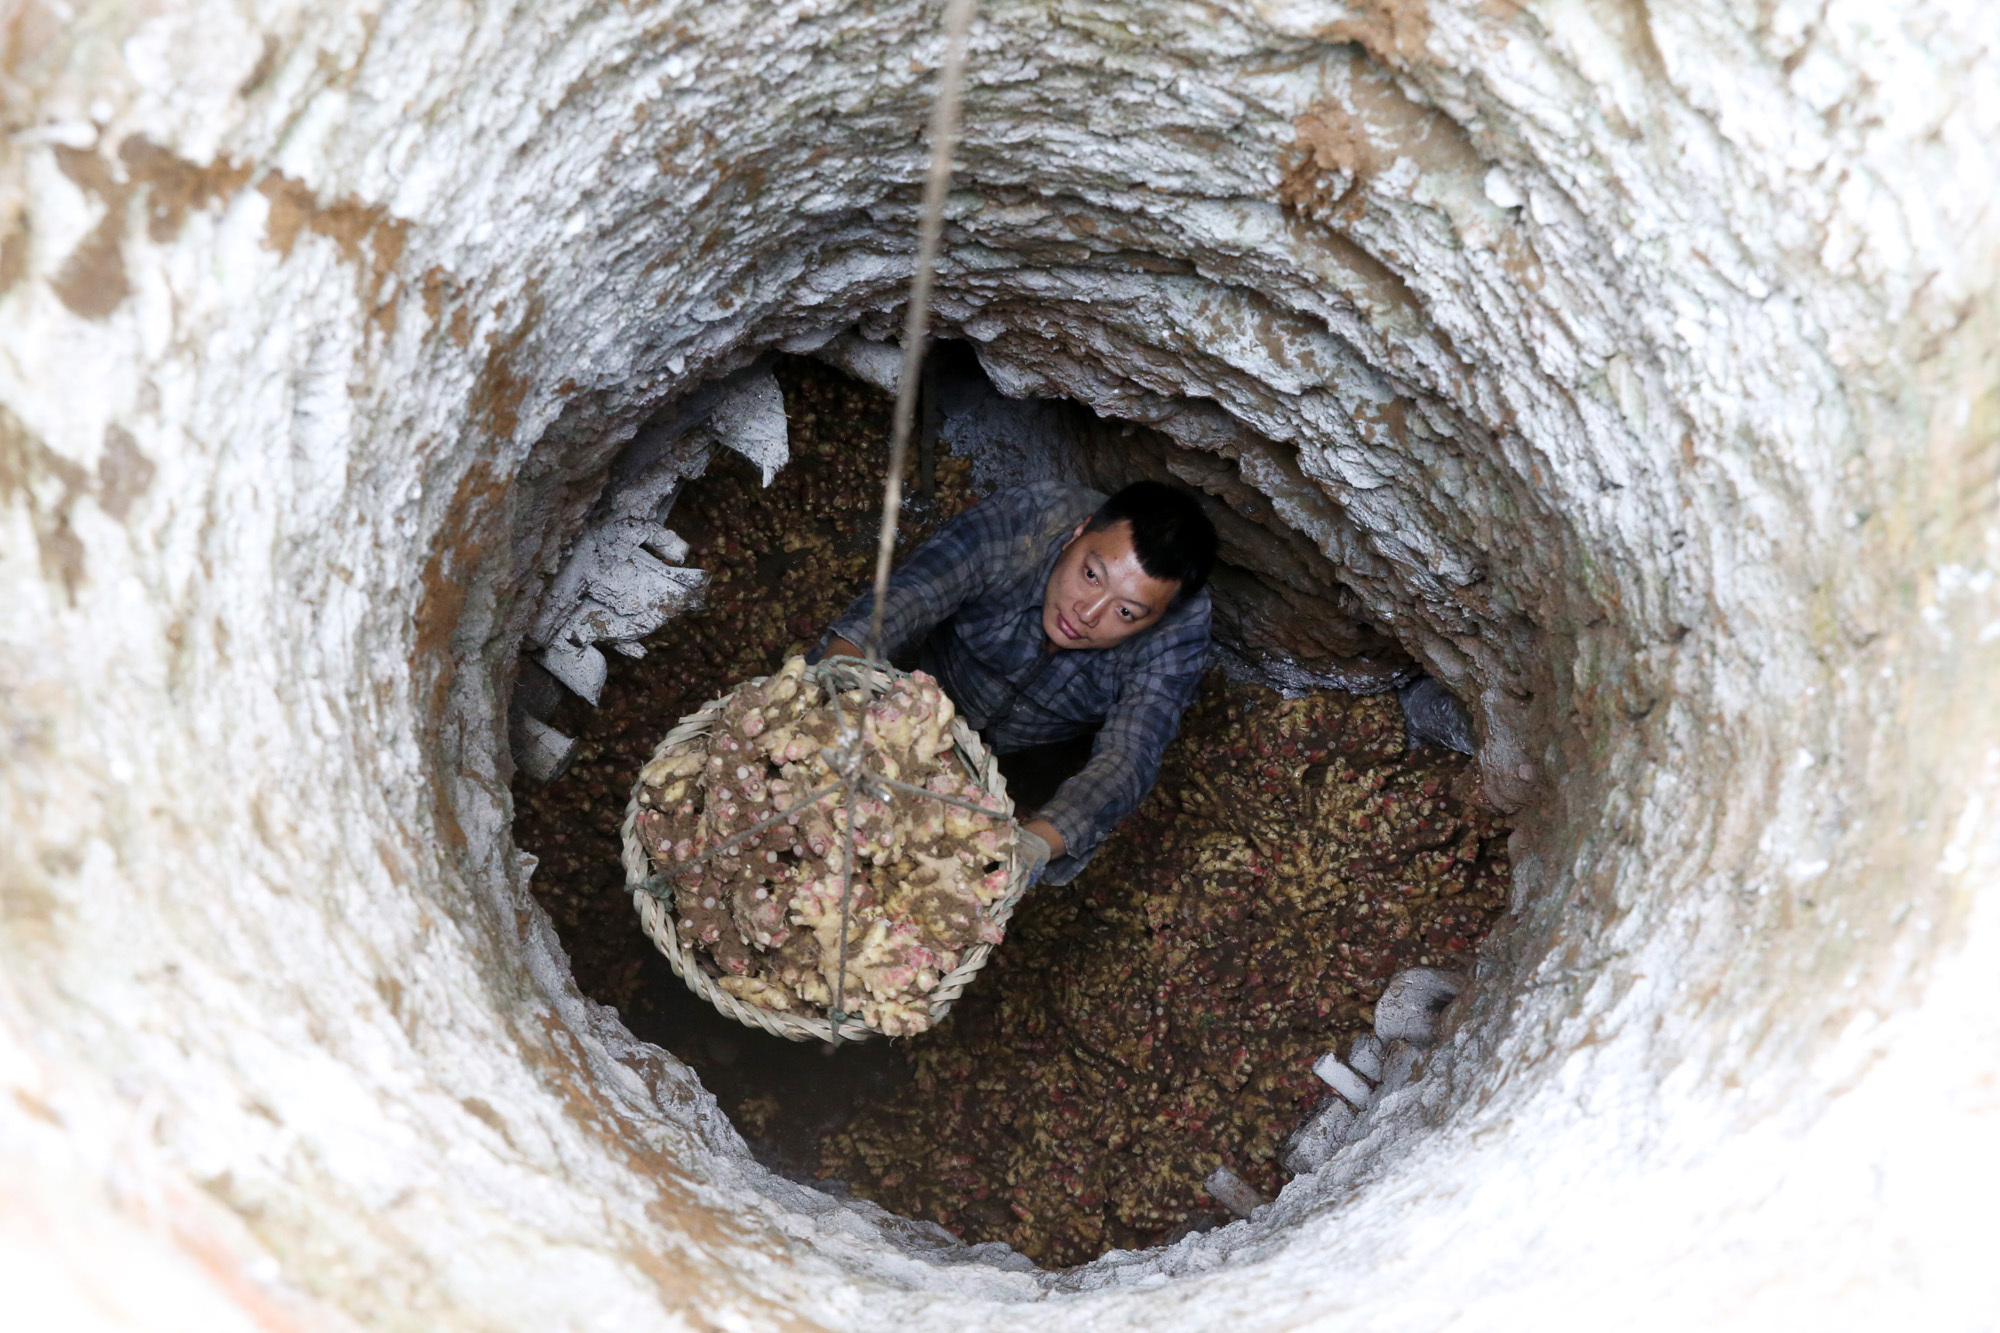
[1635, 365]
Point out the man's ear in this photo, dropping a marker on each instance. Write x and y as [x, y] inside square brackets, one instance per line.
[1077, 531]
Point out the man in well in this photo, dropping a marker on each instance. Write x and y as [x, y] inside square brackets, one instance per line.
[1048, 612]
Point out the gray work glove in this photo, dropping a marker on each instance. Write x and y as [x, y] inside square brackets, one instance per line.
[1033, 849]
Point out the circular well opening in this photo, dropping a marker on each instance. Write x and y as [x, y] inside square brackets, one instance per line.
[1310, 838]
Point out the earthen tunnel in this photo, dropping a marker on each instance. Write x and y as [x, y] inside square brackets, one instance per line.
[1633, 367]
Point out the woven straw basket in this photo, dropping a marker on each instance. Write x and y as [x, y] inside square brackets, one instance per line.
[657, 915]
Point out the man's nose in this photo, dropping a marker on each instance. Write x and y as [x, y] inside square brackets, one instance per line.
[1091, 605]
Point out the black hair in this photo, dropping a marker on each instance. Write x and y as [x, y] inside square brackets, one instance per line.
[1170, 534]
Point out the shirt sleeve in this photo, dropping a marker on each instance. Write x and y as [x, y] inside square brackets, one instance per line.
[937, 579]
[1125, 759]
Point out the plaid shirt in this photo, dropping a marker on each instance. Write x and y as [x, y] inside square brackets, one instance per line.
[976, 588]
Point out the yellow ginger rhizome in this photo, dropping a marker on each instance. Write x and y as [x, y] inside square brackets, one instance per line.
[764, 917]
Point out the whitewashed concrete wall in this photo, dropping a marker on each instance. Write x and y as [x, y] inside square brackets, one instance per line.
[1637, 364]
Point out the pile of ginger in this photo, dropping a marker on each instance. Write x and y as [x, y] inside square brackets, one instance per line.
[927, 876]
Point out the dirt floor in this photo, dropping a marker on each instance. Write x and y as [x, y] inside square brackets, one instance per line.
[1139, 1027]
[1161, 1016]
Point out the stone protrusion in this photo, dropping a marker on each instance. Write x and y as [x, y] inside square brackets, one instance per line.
[542, 752]
[536, 692]
[1323, 1134]
[1411, 1002]
[1365, 1055]
[1344, 1081]
[1432, 716]
[879, 364]
[1233, 1192]
[750, 419]
[578, 666]
[622, 578]
[1401, 1064]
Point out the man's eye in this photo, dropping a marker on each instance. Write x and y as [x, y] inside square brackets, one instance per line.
[1125, 611]
[1090, 574]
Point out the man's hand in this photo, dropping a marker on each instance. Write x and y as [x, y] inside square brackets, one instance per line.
[839, 647]
[1038, 843]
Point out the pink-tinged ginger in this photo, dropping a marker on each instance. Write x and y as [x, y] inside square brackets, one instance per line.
[767, 914]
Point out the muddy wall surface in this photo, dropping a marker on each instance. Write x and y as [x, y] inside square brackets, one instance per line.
[1634, 365]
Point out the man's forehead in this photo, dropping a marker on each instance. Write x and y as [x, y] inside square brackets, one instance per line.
[1114, 545]
[1111, 543]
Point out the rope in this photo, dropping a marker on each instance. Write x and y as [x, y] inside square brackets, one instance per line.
[916, 328]
[916, 331]
[846, 758]
[849, 738]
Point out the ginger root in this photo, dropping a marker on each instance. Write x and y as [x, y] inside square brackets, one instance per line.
[766, 915]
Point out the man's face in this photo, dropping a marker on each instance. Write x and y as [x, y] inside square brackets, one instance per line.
[1098, 594]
